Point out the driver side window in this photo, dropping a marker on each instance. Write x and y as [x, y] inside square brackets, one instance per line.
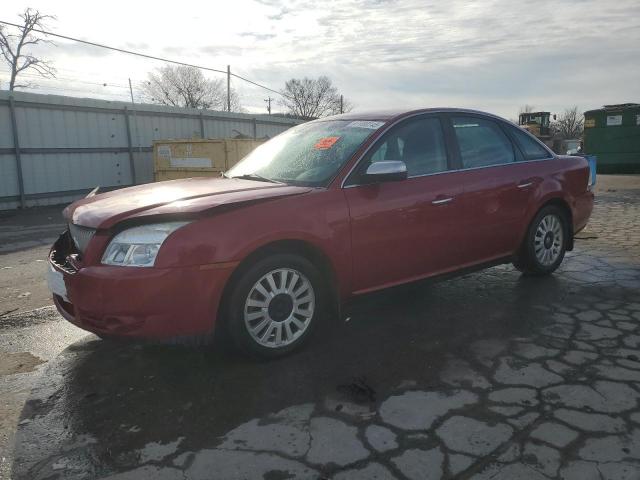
[419, 143]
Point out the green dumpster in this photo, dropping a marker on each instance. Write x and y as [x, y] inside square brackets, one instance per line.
[613, 134]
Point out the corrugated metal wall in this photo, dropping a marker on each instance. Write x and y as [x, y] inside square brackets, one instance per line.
[67, 145]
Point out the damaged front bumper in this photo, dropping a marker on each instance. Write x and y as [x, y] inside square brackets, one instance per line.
[151, 303]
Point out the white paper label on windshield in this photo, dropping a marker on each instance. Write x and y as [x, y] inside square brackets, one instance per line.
[366, 124]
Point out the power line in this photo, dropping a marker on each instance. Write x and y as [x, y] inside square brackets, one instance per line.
[144, 55]
[94, 76]
[103, 94]
[44, 84]
[46, 88]
[58, 78]
[250, 98]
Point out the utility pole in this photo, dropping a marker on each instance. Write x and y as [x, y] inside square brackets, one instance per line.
[135, 119]
[268, 100]
[229, 88]
[341, 104]
[131, 91]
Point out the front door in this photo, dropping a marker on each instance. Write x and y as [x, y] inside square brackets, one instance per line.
[408, 229]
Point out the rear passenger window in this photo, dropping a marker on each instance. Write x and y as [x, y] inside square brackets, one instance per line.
[481, 142]
[419, 143]
[531, 149]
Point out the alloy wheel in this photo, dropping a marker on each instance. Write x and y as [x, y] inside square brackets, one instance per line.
[548, 240]
[279, 308]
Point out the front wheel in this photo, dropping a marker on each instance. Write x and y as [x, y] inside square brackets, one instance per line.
[275, 305]
[545, 243]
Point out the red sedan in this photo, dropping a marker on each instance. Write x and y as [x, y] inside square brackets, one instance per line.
[325, 211]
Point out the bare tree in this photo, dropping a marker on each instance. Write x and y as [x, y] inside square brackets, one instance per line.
[12, 47]
[313, 98]
[569, 124]
[182, 86]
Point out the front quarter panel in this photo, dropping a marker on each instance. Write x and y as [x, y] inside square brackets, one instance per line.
[319, 218]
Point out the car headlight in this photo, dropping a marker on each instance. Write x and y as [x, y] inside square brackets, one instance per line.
[139, 246]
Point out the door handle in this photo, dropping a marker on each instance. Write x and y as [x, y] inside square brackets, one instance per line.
[442, 201]
[525, 185]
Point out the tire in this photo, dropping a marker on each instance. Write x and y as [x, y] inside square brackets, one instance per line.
[545, 243]
[275, 305]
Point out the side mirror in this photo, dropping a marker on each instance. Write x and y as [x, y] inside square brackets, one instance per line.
[386, 171]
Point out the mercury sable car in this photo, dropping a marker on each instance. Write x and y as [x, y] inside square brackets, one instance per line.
[327, 210]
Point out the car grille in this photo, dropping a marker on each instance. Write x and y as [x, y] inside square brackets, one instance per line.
[81, 236]
[62, 251]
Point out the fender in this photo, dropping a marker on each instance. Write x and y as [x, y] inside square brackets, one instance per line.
[550, 190]
[319, 219]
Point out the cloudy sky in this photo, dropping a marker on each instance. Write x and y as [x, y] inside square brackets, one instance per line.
[492, 55]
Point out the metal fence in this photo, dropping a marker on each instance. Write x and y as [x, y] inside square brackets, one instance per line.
[55, 149]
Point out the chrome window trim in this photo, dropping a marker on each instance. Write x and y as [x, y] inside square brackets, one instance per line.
[440, 112]
[462, 170]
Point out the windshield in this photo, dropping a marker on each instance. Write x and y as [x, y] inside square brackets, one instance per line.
[309, 155]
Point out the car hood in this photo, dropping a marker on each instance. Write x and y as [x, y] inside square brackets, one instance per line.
[188, 196]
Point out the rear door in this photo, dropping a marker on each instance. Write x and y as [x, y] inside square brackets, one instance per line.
[494, 201]
[533, 165]
[404, 230]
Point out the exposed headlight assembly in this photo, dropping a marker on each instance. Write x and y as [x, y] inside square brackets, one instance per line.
[139, 246]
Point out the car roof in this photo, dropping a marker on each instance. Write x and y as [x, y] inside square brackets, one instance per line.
[388, 115]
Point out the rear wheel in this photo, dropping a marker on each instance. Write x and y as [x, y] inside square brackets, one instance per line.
[545, 243]
[275, 305]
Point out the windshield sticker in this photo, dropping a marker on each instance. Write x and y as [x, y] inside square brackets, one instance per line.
[365, 124]
[325, 143]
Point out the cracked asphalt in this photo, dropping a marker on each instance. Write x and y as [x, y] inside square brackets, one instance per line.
[487, 376]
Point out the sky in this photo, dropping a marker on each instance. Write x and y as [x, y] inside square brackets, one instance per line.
[493, 55]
